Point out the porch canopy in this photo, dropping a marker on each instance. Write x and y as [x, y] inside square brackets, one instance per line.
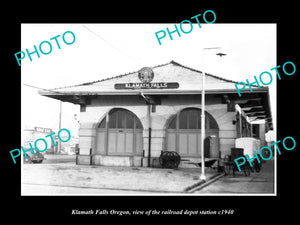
[255, 104]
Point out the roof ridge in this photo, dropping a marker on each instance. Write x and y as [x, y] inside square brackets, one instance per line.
[207, 74]
[108, 78]
[126, 74]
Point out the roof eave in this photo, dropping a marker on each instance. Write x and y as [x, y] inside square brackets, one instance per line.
[152, 92]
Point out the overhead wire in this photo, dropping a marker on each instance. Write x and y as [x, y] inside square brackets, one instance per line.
[111, 45]
[42, 88]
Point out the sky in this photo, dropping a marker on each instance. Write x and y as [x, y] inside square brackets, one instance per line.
[107, 50]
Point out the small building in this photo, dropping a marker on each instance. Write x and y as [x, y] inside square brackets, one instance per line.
[127, 120]
[32, 134]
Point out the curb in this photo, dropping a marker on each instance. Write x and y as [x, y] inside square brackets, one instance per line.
[201, 184]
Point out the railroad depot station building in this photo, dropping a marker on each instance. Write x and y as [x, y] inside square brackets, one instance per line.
[129, 119]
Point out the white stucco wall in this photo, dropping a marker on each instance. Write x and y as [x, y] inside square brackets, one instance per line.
[98, 108]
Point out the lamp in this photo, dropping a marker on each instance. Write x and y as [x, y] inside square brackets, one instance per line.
[202, 176]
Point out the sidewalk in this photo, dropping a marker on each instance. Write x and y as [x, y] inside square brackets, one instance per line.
[140, 179]
[256, 183]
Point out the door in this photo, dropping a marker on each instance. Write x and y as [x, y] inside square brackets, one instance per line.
[207, 141]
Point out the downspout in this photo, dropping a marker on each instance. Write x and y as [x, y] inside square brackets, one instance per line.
[149, 127]
[149, 134]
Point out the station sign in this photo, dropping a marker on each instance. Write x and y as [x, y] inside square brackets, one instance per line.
[146, 75]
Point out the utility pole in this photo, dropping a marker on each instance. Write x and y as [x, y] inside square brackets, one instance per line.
[59, 125]
[202, 176]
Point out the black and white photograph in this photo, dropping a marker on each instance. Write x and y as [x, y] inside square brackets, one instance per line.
[137, 112]
[146, 118]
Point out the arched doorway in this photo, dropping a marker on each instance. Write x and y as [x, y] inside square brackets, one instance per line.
[183, 134]
[120, 133]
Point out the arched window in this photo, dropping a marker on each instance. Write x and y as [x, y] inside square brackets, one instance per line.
[183, 133]
[190, 118]
[120, 133]
[121, 119]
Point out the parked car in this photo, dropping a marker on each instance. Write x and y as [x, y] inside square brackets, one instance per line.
[31, 158]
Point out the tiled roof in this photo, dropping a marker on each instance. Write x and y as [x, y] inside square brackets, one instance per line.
[190, 81]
